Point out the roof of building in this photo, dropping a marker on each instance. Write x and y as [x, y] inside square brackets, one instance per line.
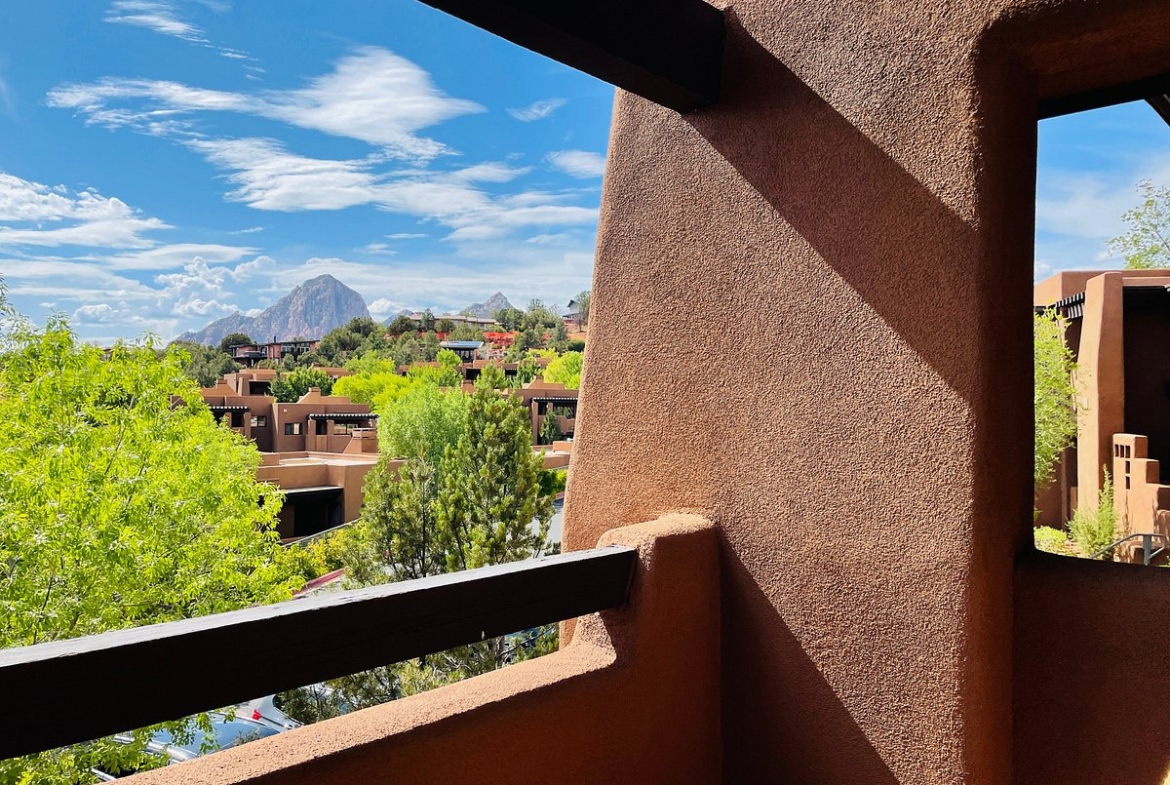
[461, 344]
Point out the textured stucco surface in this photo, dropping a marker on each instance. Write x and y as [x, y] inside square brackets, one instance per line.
[634, 698]
[848, 234]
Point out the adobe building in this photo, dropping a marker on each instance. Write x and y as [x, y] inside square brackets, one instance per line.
[550, 399]
[1118, 328]
[321, 490]
[836, 581]
[249, 355]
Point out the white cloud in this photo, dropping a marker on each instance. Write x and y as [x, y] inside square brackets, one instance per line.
[538, 110]
[158, 16]
[171, 256]
[405, 236]
[84, 219]
[251, 230]
[382, 307]
[578, 163]
[378, 248]
[372, 95]
[101, 312]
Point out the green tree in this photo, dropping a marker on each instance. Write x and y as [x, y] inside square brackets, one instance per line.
[119, 508]
[491, 377]
[289, 387]
[490, 488]
[422, 423]
[565, 370]
[584, 299]
[1147, 243]
[444, 326]
[235, 339]
[510, 319]
[204, 364]
[1054, 396]
[549, 430]
[401, 325]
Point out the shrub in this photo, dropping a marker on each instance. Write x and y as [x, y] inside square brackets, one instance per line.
[1094, 528]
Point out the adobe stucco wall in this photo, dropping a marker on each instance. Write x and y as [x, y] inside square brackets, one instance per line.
[859, 206]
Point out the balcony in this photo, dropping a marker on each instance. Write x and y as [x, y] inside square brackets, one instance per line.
[639, 679]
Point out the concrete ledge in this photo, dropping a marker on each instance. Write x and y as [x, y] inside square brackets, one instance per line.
[634, 698]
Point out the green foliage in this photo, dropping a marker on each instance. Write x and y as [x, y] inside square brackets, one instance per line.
[289, 387]
[1093, 528]
[470, 504]
[525, 342]
[1052, 541]
[204, 364]
[1147, 243]
[401, 325]
[441, 376]
[465, 332]
[444, 326]
[526, 370]
[235, 339]
[510, 319]
[553, 481]
[539, 317]
[575, 346]
[421, 423]
[1054, 396]
[490, 487]
[549, 430]
[565, 370]
[491, 377]
[372, 388]
[119, 508]
[448, 359]
[356, 337]
[584, 300]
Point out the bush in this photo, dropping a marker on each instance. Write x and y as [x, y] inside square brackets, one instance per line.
[1052, 540]
[1094, 528]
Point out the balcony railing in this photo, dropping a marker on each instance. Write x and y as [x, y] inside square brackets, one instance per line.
[75, 690]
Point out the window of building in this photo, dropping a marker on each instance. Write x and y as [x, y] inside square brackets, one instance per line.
[260, 421]
[292, 429]
[322, 427]
[343, 428]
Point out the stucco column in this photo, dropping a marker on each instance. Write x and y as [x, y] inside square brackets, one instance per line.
[1100, 383]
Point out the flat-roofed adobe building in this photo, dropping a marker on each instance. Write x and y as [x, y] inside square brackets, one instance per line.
[1118, 328]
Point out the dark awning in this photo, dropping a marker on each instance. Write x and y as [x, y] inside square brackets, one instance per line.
[219, 408]
[343, 416]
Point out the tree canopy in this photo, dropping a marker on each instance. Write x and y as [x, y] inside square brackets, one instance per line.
[235, 339]
[118, 507]
[204, 364]
[1147, 243]
[289, 387]
[1055, 395]
[565, 370]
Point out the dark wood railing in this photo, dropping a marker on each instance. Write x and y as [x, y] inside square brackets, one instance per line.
[75, 690]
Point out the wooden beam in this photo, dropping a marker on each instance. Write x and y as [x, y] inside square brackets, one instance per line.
[1161, 105]
[1141, 90]
[667, 51]
[75, 690]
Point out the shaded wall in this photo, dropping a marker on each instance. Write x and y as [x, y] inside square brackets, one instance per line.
[1147, 370]
[859, 203]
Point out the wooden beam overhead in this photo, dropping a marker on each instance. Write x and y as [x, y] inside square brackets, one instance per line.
[1154, 90]
[667, 51]
[1161, 104]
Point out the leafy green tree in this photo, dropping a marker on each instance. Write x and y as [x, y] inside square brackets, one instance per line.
[525, 342]
[289, 387]
[540, 317]
[549, 430]
[444, 326]
[204, 364]
[1147, 243]
[235, 339]
[422, 423]
[510, 319]
[490, 487]
[1054, 396]
[427, 323]
[401, 325]
[559, 339]
[119, 508]
[491, 377]
[526, 370]
[429, 347]
[565, 370]
[584, 299]
[465, 332]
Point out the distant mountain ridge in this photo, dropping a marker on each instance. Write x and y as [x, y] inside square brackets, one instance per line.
[484, 310]
[309, 311]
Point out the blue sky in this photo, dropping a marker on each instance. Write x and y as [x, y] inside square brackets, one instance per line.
[1087, 170]
[165, 162]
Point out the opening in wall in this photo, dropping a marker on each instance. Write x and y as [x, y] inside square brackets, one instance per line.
[1102, 332]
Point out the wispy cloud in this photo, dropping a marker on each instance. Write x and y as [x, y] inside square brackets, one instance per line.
[372, 95]
[538, 110]
[159, 16]
[578, 163]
